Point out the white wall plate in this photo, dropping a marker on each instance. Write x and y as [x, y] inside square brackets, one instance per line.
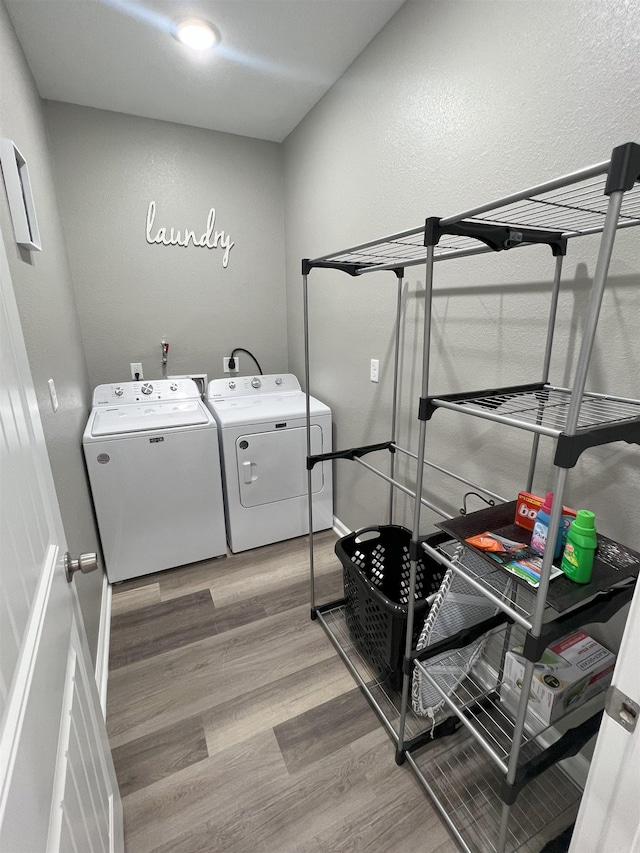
[16, 181]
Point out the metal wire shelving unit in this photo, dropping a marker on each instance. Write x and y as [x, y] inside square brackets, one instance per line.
[488, 754]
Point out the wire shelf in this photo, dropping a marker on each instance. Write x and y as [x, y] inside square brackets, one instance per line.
[615, 567]
[476, 696]
[465, 787]
[520, 603]
[386, 699]
[543, 409]
[572, 206]
[575, 210]
[480, 697]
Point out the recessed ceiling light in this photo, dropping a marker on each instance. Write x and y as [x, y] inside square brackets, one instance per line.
[197, 34]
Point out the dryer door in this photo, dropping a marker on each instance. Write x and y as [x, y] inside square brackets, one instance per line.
[272, 465]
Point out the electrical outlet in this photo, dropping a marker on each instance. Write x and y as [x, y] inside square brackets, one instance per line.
[136, 368]
[374, 371]
[225, 365]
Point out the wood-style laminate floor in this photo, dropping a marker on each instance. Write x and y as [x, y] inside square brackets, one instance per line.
[235, 727]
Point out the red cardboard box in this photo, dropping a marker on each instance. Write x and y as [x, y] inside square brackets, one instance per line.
[527, 507]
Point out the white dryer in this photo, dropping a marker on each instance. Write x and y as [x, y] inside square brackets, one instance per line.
[152, 456]
[263, 444]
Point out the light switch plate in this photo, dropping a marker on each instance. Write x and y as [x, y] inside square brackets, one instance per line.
[53, 395]
[374, 371]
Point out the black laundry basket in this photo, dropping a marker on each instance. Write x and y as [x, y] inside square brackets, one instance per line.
[376, 572]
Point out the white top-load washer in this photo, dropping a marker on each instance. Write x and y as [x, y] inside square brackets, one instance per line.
[152, 456]
[263, 444]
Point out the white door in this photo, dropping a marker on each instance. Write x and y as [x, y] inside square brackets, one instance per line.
[58, 790]
[272, 465]
[609, 816]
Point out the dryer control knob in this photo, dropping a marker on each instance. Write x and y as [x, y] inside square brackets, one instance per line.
[174, 386]
[278, 380]
[232, 386]
[119, 391]
[255, 382]
[147, 388]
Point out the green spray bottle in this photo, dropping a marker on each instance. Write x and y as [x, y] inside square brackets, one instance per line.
[577, 559]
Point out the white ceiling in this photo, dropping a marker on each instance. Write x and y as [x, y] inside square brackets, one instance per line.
[276, 58]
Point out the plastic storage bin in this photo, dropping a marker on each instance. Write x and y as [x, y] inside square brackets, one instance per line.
[376, 572]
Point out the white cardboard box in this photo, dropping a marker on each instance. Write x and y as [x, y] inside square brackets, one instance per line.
[569, 673]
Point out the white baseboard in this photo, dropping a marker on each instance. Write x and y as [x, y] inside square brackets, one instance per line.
[102, 651]
[339, 528]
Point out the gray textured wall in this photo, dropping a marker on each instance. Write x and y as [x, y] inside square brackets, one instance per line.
[451, 105]
[131, 293]
[44, 293]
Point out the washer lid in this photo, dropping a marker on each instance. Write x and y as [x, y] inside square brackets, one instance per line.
[116, 420]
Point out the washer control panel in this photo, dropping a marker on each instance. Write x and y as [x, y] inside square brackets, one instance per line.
[252, 386]
[135, 392]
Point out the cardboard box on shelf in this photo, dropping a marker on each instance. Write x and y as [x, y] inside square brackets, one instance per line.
[527, 506]
[569, 673]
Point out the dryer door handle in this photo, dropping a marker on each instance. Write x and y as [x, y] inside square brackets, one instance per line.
[247, 472]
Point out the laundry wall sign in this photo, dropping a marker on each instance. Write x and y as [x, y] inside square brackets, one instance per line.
[209, 239]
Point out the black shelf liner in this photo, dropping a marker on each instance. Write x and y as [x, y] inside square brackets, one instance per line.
[613, 563]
